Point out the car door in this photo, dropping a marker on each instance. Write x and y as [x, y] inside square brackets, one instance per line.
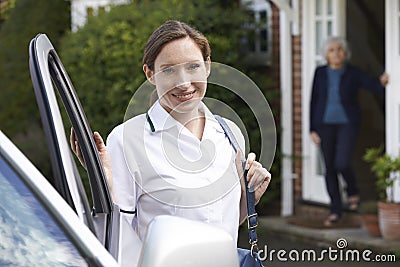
[50, 78]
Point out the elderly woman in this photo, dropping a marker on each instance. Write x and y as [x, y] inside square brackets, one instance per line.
[335, 119]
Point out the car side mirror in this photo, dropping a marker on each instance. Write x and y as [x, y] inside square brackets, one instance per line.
[174, 241]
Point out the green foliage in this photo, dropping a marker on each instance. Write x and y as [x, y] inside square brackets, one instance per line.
[19, 115]
[384, 166]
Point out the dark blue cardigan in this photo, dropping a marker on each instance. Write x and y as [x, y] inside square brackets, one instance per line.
[351, 81]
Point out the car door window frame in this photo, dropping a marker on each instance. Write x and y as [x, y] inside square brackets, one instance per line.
[47, 70]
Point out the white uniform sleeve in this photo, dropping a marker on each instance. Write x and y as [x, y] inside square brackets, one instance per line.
[123, 181]
[125, 197]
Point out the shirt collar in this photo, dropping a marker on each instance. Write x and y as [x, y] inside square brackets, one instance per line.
[210, 119]
[160, 120]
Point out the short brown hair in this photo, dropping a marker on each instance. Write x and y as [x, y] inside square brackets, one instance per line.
[169, 31]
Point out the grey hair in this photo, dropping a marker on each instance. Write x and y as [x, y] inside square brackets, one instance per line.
[338, 40]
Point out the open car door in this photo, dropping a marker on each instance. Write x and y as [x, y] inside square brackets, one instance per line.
[49, 76]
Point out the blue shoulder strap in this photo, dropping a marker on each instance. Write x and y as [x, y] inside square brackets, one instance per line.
[251, 210]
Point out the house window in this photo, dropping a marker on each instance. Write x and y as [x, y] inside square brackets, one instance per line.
[257, 47]
[323, 26]
[89, 12]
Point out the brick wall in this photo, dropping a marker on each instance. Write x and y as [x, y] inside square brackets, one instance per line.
[275, 47]
[296, 97]
[297, 116]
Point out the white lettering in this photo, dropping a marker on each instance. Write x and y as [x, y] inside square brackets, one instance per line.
[365, 255]
[332, 258]
[311, 255]
[352, 253]
[271, 255]
[281, 255]
[322, 257]
[264, 252]
[295, 257]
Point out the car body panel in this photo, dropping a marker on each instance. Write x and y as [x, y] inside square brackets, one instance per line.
[82, 238]
[195, 244]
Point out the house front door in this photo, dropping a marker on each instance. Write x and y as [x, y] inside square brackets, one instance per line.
[321, 19]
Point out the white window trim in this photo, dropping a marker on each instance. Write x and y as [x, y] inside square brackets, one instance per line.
[260, 57]
[392, 50]
[79, 10]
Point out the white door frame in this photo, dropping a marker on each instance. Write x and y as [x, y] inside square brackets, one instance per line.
[288, 26]
[331, 21]
[392, 54]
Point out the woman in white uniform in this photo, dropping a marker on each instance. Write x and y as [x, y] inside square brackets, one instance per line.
[176, 159]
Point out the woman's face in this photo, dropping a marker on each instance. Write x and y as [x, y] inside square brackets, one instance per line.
[180, 75]
[336, 55]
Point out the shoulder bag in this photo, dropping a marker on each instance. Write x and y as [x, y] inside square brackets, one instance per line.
[247, 257]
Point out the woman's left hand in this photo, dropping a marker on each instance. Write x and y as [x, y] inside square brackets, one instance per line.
[258, 177]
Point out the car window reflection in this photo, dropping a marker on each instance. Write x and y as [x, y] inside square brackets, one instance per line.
[29, 235]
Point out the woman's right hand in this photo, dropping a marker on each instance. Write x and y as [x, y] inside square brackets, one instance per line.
[315, 138]
[73, 141]
[103, 154]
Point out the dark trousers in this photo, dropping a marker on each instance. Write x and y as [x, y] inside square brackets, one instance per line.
[337, 143]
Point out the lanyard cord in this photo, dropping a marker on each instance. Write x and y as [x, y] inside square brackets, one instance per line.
[150, 122]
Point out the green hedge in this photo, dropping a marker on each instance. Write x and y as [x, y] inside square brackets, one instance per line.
[19, 115]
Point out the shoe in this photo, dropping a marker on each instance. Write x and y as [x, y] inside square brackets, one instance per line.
[354, 203]
[332, 220]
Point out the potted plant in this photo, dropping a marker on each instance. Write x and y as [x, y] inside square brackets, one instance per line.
[369, 215]
[386, 169]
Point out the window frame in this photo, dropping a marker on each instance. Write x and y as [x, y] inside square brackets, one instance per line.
[259, 57]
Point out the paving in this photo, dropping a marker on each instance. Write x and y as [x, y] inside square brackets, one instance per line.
[277, 233]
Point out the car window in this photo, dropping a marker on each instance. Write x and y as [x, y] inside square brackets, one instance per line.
[29, 234]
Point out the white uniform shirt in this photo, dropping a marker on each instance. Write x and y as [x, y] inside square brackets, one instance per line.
[168, 171]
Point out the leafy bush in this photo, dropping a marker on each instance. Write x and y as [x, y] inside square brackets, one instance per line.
[386, 169]
[19, 115]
